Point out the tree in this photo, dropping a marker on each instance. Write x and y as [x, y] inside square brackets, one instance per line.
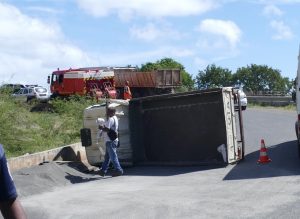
[187, 80]
[188, 83]
[149, 66]
[213, 76]
[257, 78]
[163, 63]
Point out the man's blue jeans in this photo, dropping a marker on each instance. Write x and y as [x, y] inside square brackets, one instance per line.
[111, 155]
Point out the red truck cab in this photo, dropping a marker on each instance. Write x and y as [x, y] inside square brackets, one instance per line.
[83, 81]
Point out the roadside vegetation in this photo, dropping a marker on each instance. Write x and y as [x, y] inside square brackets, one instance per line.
[291, 107]
[29, 128]
[33, 127]
[255, 79]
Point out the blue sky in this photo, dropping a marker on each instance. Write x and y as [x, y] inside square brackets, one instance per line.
[39, 36]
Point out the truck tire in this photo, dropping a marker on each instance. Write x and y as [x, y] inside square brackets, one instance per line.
[86, 138]
[54, 95]
[30, 99]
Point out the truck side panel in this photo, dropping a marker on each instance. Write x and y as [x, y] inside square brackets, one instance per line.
[136, 79]
[168, 78]
[185, 128]
[155, 79]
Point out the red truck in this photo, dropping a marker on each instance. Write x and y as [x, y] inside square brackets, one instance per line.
[94, 81]
[110, 82]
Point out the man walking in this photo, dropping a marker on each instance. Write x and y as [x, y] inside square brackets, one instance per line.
[111, 144]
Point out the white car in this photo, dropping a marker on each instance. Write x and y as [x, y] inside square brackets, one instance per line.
[30, 93]
[243, 98]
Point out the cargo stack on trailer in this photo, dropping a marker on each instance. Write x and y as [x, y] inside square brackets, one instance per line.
[143, 84]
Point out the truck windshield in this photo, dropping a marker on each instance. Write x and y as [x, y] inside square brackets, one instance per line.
[57, 78]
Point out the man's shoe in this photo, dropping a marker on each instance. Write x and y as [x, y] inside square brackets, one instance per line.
[117, 173]
[102, 173]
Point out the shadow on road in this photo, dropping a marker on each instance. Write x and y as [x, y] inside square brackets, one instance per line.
[66, 154]
[285, 162]
[79, 174]
[167, 170]
[79, 179]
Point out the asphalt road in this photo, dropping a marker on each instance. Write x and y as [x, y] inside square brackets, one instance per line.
[244, 190]
[272, 125]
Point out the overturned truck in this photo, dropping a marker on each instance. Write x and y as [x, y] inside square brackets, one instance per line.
[192, 128]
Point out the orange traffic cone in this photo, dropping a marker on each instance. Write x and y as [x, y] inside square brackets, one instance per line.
[263, 157]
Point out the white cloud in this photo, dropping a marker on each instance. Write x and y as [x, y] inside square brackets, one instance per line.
[31, 49]
[225, 30]
[283, 32]
[44, 9]
[152, 32]
[147, 33]
[180, 52]
[201, 63]
[279, 1]
[272, 10]
[218, 40]
[137, 58]
[125, 9]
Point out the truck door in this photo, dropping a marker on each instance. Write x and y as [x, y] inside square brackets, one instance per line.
[57, 84]
[54, 83]
[234, 150]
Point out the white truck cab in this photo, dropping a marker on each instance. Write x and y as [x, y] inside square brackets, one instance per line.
[297, 124]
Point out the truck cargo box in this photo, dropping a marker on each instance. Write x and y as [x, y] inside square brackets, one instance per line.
[154, 79]
[185, 128]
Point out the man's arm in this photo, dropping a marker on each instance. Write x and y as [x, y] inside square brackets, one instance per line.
[107, 126]
[12, 209]
[10, 206]
[103, 128]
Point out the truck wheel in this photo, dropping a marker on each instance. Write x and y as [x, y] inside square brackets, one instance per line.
[54, 95]
[29, 100]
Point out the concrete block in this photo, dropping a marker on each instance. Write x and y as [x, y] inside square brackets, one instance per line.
[73, 152]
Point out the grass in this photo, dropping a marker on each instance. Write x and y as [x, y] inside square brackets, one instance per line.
[23, 131]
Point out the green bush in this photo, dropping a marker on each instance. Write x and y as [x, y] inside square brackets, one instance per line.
[23, 131]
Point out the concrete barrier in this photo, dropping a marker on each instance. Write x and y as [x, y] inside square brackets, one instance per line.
[271, 100]
[73, 152]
